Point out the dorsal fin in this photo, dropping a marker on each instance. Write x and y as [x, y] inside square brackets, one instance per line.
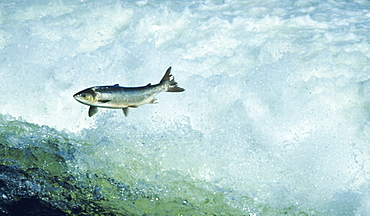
[116, 85]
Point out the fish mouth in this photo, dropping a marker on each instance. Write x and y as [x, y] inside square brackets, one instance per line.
[78, 98]
[83, 101]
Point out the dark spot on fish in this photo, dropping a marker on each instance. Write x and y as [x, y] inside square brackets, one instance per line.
[103, 101]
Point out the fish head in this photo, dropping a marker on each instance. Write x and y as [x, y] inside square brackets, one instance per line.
[87, 96]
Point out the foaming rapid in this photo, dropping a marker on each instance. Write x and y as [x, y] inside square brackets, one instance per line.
[274, 118]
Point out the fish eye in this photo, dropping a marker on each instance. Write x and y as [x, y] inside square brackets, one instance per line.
[83, 95]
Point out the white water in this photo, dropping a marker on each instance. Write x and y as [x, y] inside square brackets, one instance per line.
[276, 101]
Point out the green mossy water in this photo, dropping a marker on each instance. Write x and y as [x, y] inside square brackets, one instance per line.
[39, 165]
[43, 170]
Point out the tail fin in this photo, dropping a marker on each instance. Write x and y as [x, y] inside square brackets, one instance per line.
[173, 85]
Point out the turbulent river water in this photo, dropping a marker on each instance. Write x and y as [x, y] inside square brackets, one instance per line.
[274, 119]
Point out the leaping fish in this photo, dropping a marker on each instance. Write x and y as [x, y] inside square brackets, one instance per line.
[119, 97]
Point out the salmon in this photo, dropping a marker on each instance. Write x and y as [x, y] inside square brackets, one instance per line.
[119, 97]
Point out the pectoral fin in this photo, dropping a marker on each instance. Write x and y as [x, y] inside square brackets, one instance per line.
[92, 110]
[125, 111]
